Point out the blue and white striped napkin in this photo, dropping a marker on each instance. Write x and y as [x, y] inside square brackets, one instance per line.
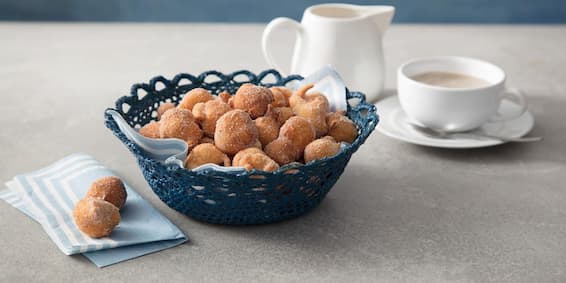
[49, 195]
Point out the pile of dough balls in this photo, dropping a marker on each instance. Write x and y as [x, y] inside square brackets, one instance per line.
[99, 212]
[256, 128]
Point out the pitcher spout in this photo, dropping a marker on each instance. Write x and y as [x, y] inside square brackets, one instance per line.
[380, 15]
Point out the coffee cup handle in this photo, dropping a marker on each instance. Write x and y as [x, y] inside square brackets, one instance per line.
[281, 22]
[516, 95]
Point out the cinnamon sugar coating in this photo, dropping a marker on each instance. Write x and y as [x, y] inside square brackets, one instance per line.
[164, 107]
[180, 123]
[207, 113]
[320, 148]
[235, 130]
[280, 96]
[110, 189]
[341, 128]
[312, 106]
[253, 99]
[299, 131]
[268, 129]
[193, 97]
[282, 150]
[254, 158]
[96, 217]
[150, 130]
[206, 153]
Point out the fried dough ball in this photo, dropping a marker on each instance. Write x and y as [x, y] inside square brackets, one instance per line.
[208, 113]
[180, 123]
[299, 131]
[253, 99]
[224, 96]
[164, 107]
[96, 217]
[235, 130]
[195, 96]
[320, 148]
[280, 96]
[110, 189]
[282, 150]
[206, 153]
[312, 107]
[268, 129]
[341, 128]
[285, 91]
[281, 114]
[250, 150]
[150, 130]
[313, 96]
[253, 158]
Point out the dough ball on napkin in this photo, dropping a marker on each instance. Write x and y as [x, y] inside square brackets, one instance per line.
[110, 189]
[96, 217]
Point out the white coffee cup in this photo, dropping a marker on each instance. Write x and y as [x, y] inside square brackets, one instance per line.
[455, 108]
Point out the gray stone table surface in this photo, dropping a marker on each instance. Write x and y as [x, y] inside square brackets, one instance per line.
[399, 212]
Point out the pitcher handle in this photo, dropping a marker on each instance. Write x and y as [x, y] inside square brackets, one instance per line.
[268, 32]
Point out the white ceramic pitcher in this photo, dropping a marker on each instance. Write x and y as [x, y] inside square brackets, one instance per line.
[348, 37]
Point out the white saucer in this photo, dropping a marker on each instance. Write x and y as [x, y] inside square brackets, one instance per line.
[393, 122]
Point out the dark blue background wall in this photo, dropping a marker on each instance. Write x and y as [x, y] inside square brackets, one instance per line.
[467, 11]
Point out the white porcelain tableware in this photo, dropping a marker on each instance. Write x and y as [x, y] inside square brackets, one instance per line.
[453, 108]
[395, 123]
[348, 37]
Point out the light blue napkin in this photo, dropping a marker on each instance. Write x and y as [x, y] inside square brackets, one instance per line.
[49, 195]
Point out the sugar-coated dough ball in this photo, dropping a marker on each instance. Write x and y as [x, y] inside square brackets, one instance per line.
[150, 130]
[164, 107]
[311, 106]
[281, 114]
[195, 135]
[253, 99]
[320, 148]
[242, 153]
[268, 129]
[254, 158]
[110, 189]
[195, 96]
[206, 153]
[235, 131]
[180, 123]
[96, 217]
[341, 128]
[224, 96]
[282, 150]
[280, 96]
[207, 113]
[299, 131]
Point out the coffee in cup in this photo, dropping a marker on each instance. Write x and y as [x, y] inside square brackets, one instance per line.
[449, 79]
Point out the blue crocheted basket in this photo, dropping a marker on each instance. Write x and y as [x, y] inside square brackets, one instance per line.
[238, 197]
